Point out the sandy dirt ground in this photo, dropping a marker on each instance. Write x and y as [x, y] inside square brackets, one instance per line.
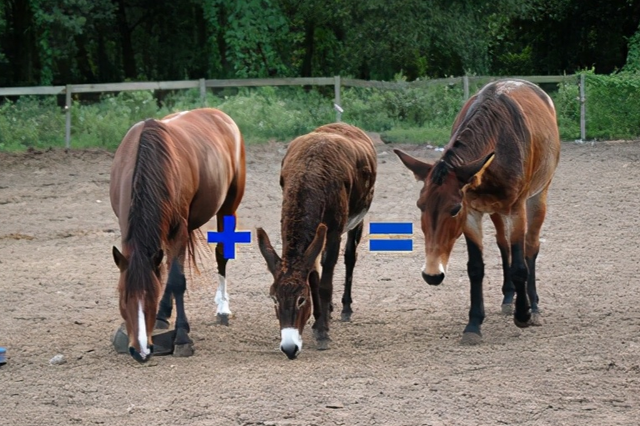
[399, 362]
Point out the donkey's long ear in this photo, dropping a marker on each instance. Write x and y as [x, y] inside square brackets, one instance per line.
[471, 174]
[316, 246]
[121, 262]
[419, 168]
[268, 252]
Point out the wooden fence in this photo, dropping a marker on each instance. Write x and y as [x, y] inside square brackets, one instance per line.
[336, 81]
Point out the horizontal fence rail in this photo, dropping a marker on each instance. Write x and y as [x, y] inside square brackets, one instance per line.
[337, 82]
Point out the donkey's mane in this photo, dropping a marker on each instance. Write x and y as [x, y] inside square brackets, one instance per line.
[493, 121]
[151, 212]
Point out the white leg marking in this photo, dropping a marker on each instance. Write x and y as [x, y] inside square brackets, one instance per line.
[290, 338]
[142, 332]
[222, 298]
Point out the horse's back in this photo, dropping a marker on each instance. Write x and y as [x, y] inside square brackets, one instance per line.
[212, 150]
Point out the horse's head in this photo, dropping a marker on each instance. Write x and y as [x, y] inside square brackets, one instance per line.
[293, 288]
[138, 286]
[443, 211]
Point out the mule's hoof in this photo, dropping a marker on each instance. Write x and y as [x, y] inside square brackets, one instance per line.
[507, 309]
[184, 350]
[323, 344]
[470, 339]
[320, 335]
[161, 324]
[223, 319]
[520, 323]
[536, 319]
[345, 317]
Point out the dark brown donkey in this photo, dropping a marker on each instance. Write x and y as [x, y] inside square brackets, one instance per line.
[327, 179]
[168, 178]
[500, 160]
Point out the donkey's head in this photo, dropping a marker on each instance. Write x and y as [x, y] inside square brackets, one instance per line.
[294, 288]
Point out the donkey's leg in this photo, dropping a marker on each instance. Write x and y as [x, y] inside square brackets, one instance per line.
[182, 345]
[350, 256]
[475, 269]
[164, 309]
[518, 270]
[536, 211]
[508, 290]
[329, 260]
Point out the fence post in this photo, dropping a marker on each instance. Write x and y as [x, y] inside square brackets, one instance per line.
[203, 93]
[583, 110]
[336, 103]
[465, 85]
[67, 108]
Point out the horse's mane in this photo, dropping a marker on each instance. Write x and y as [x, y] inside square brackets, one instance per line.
[151, 213]
[493, 122]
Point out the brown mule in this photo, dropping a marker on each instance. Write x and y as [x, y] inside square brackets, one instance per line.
[500, 160]
[327, 179]
[168, 178]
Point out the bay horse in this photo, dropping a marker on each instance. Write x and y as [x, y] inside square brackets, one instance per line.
[168, 178]
[500, 160]
[327, 178]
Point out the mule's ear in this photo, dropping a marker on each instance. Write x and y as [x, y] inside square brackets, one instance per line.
[419, 168]
[471, 173]
[316, 246]
[157, 258]
[121, 262]
[269, 254]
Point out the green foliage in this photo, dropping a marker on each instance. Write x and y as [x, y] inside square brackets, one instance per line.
[613, 106]
[31, 122]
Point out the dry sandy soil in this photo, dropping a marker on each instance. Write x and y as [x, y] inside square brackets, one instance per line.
[399, 362]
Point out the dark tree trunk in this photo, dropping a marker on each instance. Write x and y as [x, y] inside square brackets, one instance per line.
[309, 44]
[23, 52]
[128, 56]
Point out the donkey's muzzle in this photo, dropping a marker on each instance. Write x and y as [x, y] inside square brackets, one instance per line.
[291, 351]
[433, 279]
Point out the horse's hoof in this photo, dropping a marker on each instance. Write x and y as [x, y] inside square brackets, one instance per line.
[536, 319]
[223, 319]
[346, 317]
[507, 309]
[470, 339]
[184, 350]
[323, 344]
[161, 324]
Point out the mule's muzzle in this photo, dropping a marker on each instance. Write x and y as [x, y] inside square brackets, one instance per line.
[291, 351]
[433, 279]
[138, 357]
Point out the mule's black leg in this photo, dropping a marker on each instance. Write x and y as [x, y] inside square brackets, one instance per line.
[321, 326]
[519, 275]
[508, 289]
[350, 256]
[475, 269]
[164, 309]
[531, 289]
[536, 211]
[178, 284]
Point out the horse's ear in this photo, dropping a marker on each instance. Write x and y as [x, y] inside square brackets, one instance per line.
[121, 262]
[419, 168]
[471, 174]
[157, 258]
[269, 254]
[316, 246]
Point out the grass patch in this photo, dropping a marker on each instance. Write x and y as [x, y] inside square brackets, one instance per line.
[435, 136]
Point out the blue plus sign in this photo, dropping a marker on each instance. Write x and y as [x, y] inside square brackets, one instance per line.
[229, 237]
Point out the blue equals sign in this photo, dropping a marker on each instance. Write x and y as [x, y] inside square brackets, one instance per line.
[391, 228]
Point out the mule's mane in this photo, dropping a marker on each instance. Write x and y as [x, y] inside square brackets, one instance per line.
[151, 213]
[493, 122]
